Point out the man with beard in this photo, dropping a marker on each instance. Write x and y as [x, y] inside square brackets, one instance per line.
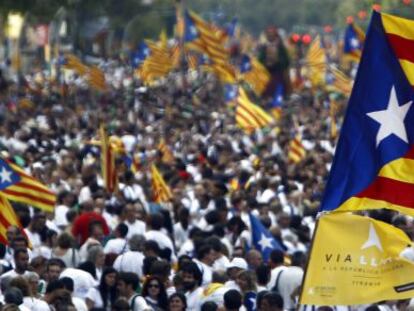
[192, 278]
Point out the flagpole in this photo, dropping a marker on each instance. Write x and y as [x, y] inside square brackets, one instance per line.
[180, 10]
[309, 258]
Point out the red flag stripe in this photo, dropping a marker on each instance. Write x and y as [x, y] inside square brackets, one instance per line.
[28, 196]
[390, 190]
[251, 114]
[402, 47]
[25, 185]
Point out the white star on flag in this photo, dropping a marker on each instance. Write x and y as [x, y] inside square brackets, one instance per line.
[354, 43]
[265, 242]
[193, 30]
[5, 175]
[373, 239]
[391, 119]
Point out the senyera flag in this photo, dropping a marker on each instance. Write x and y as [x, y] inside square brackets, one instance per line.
[374, 160]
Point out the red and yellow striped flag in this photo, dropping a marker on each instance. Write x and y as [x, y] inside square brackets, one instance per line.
[108, 168]
[96, 78]
[18, 186]
[400, 35]
[249, 116]
[7, 218]
[167, 155]
[74, 63]
[160, 190]
[296, 151]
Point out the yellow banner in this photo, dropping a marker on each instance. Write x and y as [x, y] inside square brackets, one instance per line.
[358, 260]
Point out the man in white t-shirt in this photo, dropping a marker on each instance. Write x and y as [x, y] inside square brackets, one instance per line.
[291, 279]
[21, 261]
[127, 285]
[276, 262]
[119, 244]
[132, 260]
[192, 278]
[130, 218]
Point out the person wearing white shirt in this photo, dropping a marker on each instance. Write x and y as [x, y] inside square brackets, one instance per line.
[132, 191]
[205, 260]
[132, 260]
[127, 285]
[182, 227]
[192, 278]
[21, 261]
[276, 261]
[291, 278]
[118, 245]
[155, 234]
[130, 218]
[82, 281]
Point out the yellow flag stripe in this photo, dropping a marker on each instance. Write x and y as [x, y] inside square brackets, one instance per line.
[408, 68]
[398, 26]
[400, 169]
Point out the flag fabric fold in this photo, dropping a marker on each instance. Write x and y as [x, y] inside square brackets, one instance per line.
[262, 239]
[373, 163]
[7, 218]
[160, 190]
[17, 185]
[250, 116]
[108, 168]
[372, 262]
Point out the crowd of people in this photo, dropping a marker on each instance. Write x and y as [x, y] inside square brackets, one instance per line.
[121, 250]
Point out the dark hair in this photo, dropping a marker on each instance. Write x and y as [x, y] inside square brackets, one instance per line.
[203, 250]
[298, 259]
[148, 261]
[274, 299]
[54, 285]
[68, 283]
[209, 306]
[237, 221]
[277, 256]
[193, 269]
[232, 299]
[106, 291]
[13, 295]
[129, 278]
[263, 274]
[55, 262]
[156, 221]
[181, 296]
[122, 229]
[18, 251]
[88, 266]
[152, 245]
[65, 240]
[161, 268]
[162, 297]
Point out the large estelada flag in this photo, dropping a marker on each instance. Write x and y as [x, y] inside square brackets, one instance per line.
[16, 185]
[374, 160]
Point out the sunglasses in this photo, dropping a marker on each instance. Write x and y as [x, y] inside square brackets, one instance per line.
[153, 285]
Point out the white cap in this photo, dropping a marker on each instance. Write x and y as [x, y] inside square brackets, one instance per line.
[237, 262]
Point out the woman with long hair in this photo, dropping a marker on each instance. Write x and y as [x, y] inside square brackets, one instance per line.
[105, 294]
[155, 294]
